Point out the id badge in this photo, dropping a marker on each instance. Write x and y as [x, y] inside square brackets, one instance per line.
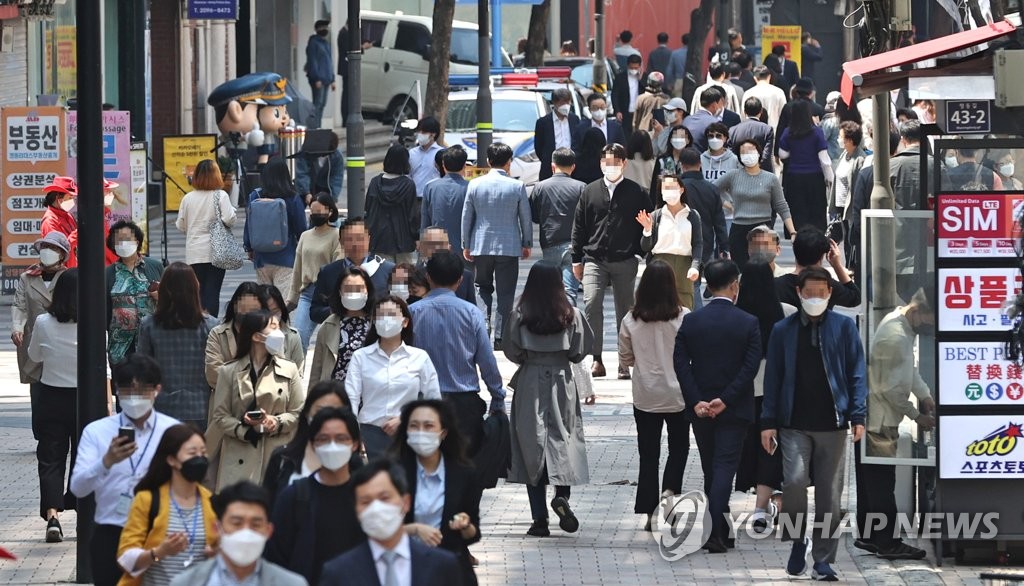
[124, 504]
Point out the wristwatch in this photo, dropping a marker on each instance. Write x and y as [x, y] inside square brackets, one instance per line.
[156, 558]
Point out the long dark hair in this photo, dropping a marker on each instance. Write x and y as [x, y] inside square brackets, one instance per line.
[244, 288]
[372, 337]
[272, 292]
[159, 472]
[334, 300]
[277, 179]
[656, 297]
[296, 449]
[543, 305]
[453, 446]
[178, 305]
[800, 121]
[348, 417]
[640, 144]
[64, 303]
[758, 298]
[249, 324]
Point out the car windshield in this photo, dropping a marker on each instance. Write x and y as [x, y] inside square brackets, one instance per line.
[508, 115]
[583, 75]
[465, 47]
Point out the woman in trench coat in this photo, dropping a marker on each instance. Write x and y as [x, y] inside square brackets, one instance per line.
[544, 336]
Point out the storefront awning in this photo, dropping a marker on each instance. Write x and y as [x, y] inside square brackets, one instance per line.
[860, 72]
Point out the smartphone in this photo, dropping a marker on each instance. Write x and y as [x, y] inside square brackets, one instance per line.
[254, 415]
[775, 446]
[659, 115]
[128, 432]
[154, 286]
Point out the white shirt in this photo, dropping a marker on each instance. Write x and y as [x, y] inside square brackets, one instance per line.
[108, 484]
[402, 563]
[732, 101]
[55, 346]
[773, 99]
[195, 214]
[563, 136]
[634, 91]
[382, 384]
[674, 233]
[611, 186]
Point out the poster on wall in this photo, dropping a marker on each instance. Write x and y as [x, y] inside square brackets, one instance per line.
[139, 174]
[981, 446]
[788, 36]
[972, 300]
[117, 141]
[978, 373]
[34, 152]
[979, 225]
[181, 155]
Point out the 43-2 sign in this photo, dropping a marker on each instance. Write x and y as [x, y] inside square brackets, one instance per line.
[968, 116]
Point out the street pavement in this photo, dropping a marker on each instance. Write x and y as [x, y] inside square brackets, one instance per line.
[609, 549]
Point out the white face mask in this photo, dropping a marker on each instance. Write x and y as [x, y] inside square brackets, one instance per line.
[353, 301]
[749, 159]
[68, 204]
[679, 142]
[49, 257]
[422, 138]
[951, 162]
[334, 456]
[243, 547]
[108, 199]
[424, 443]
[381, 520]
[388, 326]
[671, 196]
[814, 306]
[126, 248]
[135, 407]
[1006, 169]
[598, 115]
[634, 73]
[715, 143]
[400, 291]
[274, 341]
[371, 266]
[563, 109]
[612, 172]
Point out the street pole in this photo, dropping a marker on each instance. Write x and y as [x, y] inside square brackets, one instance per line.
[92, 362]
[600, 75]
[355, 156]
[484, 123]
[883, 230]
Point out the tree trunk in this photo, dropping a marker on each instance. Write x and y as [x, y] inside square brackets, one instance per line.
[436, 97]
[700, 25]
[537, 33]
[999, 9]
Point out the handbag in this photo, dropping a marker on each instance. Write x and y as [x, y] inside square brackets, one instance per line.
[227, 253]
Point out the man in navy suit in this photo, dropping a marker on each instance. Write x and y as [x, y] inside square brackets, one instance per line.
[554, 130]
[598, 106]
[355, 241]
[389, 557]
[712, 102]
[717, 355]
[753, 129]
[785, 70]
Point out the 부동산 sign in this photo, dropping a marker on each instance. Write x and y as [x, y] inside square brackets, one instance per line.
[971, 300]
[979, 225]
[981, 446]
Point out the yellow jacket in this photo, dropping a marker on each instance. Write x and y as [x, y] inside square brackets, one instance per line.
[138, 534]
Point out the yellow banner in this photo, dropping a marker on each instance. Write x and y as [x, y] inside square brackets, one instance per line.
[788, 37]
[181, 155]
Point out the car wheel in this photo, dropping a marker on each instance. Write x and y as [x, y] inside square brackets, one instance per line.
[401, 108]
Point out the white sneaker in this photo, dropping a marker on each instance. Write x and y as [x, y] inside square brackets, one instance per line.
[762, 522]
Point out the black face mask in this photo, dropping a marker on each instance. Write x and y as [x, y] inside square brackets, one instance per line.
[322, 32]
[194, 469]
[318, 219]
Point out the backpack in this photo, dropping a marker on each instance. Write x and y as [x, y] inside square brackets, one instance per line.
[268, 224]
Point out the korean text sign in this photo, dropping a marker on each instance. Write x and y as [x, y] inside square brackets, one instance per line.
[981, 446]
[117, 140]
[979, 225]
[181, 155]
[972, 300]
[788, 36]
[34, 152]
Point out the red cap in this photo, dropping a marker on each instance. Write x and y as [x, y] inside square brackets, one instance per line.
[109, 185]
[62, 185]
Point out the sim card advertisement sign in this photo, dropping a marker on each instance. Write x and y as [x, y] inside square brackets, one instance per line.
[981, 446]
[978, 373]
[979, 225]
[973, 300]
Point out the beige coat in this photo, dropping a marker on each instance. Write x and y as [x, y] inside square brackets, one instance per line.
[325, 353]
[31, 298]
[221, 349]
[278, 392]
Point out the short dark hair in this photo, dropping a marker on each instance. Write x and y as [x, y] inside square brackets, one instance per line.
[751, 141]
[907, 113]
[137, 232]
[594, 97]
[396, 160]
[240, 492]
[561, 95]
[778, 50]
[498, 154]
[634, 58]
[321, 24]
[352, 222]
[910, 130]
[809, 245]
[344, 414]
[368, 472]
[717, 127]
[334, 299]
[715, 70]
[720, 273]
[429, 124]
[752, 107]
[813, 273]
[444, 268]
[662, 38]
[64, 302]
[454, 158]
[732, 68]
[563, 157]
[686, 38]
[689, 157]
[742, 58]
[614, 149]
[136, 368]
[626, 36]
[711, 95]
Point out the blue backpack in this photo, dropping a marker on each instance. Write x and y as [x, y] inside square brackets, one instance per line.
[268, 224]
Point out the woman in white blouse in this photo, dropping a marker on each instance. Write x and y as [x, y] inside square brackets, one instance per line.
[386, 374]
[196, 212]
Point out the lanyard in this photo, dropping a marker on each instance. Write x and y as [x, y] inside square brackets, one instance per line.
[195, 519]
[142, 455]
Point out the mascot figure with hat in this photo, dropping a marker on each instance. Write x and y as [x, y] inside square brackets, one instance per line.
[237, 105]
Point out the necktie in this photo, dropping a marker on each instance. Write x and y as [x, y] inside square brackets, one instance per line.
[390, 575]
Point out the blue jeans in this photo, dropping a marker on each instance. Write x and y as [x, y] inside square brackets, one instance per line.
[319, 102]
[698, 296]
[562, 256]
[300, 317]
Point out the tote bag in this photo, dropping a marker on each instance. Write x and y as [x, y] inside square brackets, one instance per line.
[227, 253]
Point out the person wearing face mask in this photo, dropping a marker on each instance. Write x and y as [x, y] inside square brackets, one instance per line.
[355, 243]
[243, 523]
[1005, 169]
[421, 156]
[32, 294]
[673, 234]
[707, 114]
[443, 199]
[390, 556]
[668, 163]
[675, 111]
[554, 130]
[132, 284]
[753, 128]
[222, 345]
[345, 331]
[255, 407]
[626, 91]
[59, 201]
[436, 239]
[293, 348]
[320, 68]
[171, 524]
[317, 247]
[443, 485]
[387, 373]
[815, 390]
[611, 129]
[109, 464]
[315, 517]
[399, 285]
[717, 355]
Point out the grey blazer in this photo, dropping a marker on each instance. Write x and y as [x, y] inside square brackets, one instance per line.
[270, 575]
[696, 240]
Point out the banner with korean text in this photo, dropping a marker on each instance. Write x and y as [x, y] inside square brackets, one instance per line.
[181, 155]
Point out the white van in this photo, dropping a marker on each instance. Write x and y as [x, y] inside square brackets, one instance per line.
[400, 55]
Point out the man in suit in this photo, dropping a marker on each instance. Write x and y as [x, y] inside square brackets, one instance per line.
[435, 239]
[554, 130]
[717, 355]
[443, 199]
[552, 205]
[243, 515]
[497, 232]
[810, 53]
[677, 68]
[785, 70]
[598, 106]
[710, 106]
[607, 237]
[659, 57]
[626, 90]
[389, 557]
[753, 128]
[717, 74]
[355, 241]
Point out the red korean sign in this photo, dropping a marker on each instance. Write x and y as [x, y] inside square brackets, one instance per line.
[979, 225]
[973, 300]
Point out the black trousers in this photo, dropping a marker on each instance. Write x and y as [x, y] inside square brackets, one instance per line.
[805, 194]
[537, 495]
[469, 418]
[876, 495]
[720, 443]
[210, 281]
[54, 424]
[103, 552]
[648, 440]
